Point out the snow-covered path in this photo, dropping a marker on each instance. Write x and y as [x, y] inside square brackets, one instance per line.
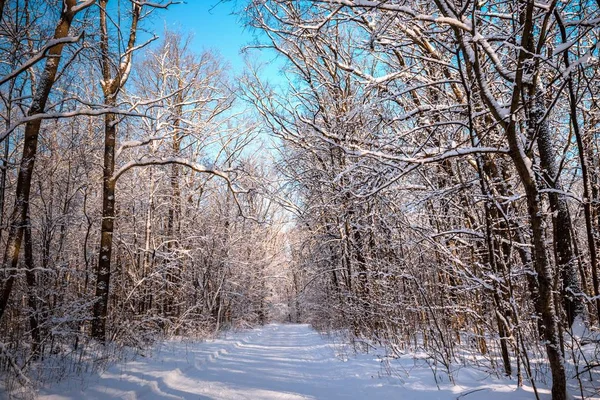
[274, 362]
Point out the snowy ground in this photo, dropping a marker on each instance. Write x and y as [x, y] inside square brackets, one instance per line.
[274, 362]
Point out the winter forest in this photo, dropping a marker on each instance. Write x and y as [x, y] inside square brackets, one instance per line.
[422, 177]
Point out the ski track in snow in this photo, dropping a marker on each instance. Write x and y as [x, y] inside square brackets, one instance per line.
[287, 362]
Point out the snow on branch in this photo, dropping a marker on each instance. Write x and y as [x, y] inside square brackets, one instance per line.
[384, 5]
[156, 5]
[171, 160]
[82, 6]
[426, 157]
[223, 174]
[41, 54]
[137, 143]
[69, 114]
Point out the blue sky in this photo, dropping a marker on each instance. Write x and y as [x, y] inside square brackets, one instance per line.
[213, 25]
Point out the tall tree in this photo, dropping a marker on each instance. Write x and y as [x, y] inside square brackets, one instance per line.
[114, 77]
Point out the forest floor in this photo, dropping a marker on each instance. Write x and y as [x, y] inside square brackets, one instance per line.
[276, 362]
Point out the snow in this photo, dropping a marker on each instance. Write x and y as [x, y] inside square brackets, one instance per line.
[277, 362]
[562, 47]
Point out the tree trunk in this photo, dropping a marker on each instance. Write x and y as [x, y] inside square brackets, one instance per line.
[106, 233]
[550, 331]
[111, 86]
[2, 2]
[31, 295]
[4, 166]
[565, 256]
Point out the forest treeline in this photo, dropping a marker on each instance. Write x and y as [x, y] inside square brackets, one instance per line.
[433, 182]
